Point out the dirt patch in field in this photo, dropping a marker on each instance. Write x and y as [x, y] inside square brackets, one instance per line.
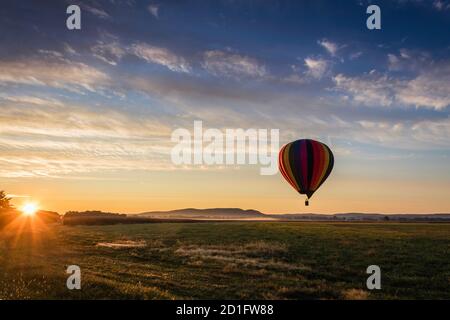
[260, 254]
[122, 244]
[355, 294]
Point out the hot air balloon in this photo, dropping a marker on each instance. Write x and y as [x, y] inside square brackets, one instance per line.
[305, 164]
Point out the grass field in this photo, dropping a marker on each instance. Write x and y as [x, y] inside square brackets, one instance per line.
[233, 260]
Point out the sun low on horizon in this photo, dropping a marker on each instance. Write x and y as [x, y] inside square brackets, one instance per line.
[29, 209]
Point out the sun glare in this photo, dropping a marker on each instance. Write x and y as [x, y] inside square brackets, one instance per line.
[30, 209]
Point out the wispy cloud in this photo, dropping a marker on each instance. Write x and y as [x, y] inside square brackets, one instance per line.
[63, 139]
[18, 196]
[110, 52]
[32, 100]
[161, 56]
[316, 67]
[154, 10]
[428, 89]
[295, 78]
[64, 74]
[370, 89]
[355, 55]
[229, 64]
[441, 5]
[99, 12]
[329, 46]
[69, 50]
[409, 60]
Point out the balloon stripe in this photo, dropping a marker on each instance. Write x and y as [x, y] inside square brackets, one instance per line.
[283, 169]
[289, 168]
[301, 175]
[304, 165]
[318, 165]
[310, 157]
[280, 162]
[314, 165]
[329, 166]
[324, 165]
[293, 160]
[282, 166]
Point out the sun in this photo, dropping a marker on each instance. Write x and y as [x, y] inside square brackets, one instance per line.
[29, 209]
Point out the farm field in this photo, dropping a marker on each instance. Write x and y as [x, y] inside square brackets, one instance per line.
[227, 260]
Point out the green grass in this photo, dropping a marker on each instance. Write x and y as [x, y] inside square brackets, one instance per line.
[248, 260]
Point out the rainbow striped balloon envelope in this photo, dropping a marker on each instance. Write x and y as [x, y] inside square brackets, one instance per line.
[305, 164]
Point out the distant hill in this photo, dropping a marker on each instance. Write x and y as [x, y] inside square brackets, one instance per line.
[208, 214]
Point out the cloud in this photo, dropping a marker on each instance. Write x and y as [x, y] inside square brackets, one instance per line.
[295, 78]
[366, 90]
[111, 50]
[154, 10]
[161, 56]
[201, 98]
[69, 50]
[331, 47]
[32, 100]
[355, 55]
[51, 53]
[96, 11]
[57, 73]
[228, 64]
[428, 89]
[108, 51]
[47, 138]
[411, 60]
[441, 5]
[316, 67]
[435, 132]
[394, 62]
[18, 196]
[413, 135]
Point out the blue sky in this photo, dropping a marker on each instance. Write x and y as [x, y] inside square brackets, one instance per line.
[98, 105]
